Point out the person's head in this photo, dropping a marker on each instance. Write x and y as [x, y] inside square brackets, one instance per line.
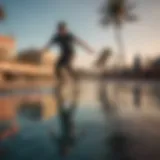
[62, 28]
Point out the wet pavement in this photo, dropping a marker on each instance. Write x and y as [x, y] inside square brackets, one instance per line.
[103, 121]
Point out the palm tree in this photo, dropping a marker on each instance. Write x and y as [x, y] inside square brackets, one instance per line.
[115, 13]
[2, 13]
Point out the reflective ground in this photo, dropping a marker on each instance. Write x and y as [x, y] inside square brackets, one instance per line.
[95, 121]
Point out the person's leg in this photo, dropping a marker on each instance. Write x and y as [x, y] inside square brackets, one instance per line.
[69, 68]
[59, 76]
[58, 71]
[75, 78]
[71, 72]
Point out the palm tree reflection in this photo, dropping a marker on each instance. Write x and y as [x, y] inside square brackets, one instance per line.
[116, 140]
[103, 97]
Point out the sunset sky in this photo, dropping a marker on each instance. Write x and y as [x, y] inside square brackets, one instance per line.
[32, 22]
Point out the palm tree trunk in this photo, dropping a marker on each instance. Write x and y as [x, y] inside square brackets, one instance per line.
[119, 41]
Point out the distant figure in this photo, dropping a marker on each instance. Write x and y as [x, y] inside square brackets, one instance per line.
[66, 42]
[137, 64]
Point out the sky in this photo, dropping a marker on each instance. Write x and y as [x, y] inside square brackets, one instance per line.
[32, 22]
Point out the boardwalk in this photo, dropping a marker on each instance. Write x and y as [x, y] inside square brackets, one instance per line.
[25, 69]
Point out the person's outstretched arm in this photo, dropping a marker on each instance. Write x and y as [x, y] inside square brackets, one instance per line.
[84, 45]
[49, 44]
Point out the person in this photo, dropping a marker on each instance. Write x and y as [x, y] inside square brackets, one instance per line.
[66, 42]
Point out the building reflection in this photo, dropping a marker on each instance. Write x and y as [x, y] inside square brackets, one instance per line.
[49, 105]
[37, 107]
[31, 111]
[8, 123]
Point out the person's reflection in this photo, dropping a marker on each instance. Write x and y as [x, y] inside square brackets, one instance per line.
[31, 108]
[118, 143]
[67, 139]
[137, 96]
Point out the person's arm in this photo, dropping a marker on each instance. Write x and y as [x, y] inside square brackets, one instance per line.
[49, 44]
[84, 45]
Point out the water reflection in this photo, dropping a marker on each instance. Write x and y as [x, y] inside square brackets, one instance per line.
[122, 121]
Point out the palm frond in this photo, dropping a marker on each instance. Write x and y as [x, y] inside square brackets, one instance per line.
[117, 11]
[131, 18]
[102, 59]
[130, 6]
[2, 13]
[105, 21]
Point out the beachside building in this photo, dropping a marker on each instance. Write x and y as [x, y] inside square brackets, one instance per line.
[7, 47]
[39, 63]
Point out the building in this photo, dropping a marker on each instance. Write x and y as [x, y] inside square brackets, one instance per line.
[39, 63]
[7, 52]
[48, 59]
[7, 47]
[29, 56]
[36, 57]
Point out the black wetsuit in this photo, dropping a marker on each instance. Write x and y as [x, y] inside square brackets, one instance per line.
[66, 44]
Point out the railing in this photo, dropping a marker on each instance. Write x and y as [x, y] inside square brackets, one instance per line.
[26, 69]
